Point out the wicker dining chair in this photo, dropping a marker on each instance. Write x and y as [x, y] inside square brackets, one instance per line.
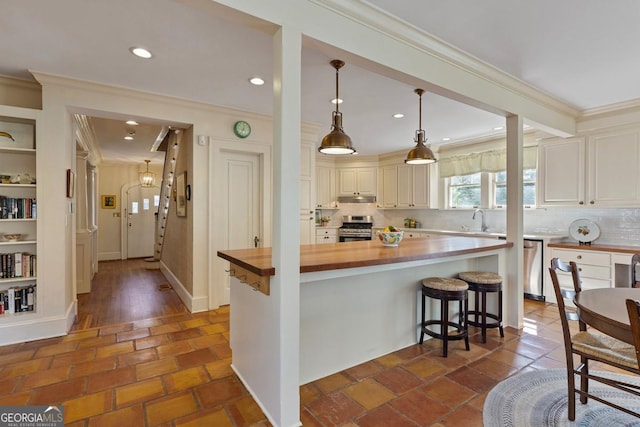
[633, 308]
[635, 260]
[589, 346]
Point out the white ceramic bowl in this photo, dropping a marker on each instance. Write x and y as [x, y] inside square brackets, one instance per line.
[390, 238]
[13, 237]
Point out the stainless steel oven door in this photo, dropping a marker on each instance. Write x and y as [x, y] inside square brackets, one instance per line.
[353, 238]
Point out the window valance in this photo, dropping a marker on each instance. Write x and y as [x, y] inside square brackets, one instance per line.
[486, 161]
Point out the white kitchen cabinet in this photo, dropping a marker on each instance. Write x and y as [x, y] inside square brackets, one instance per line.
[594, 267]
[600, 170]
[307, 177]
[307, 192]
[389, 187]
[307, 227]
[325, 187]
[413, 186]
[613, 173]
[326, 235]
[561, 172]
[357, 181]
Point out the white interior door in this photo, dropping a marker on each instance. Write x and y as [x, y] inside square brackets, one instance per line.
[242, 197]
[142, 204]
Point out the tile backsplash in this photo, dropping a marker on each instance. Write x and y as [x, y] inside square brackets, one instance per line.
[620, 226]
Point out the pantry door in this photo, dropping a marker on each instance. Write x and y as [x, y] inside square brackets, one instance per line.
[242, 203]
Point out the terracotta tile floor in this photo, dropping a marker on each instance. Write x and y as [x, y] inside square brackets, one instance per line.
[174, 371]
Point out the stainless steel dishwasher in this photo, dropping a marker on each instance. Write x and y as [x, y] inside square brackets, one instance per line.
[532, 275]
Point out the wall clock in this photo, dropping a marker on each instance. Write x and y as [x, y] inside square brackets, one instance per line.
[242, 129]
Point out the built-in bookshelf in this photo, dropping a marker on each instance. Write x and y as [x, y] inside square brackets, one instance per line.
[18, 217]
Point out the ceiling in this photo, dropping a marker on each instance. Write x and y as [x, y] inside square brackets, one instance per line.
[579, 51]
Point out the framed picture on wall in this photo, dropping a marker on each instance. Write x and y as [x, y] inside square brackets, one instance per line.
[181, 194]
[108, 201]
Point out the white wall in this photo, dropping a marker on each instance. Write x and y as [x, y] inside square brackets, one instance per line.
[111, 178]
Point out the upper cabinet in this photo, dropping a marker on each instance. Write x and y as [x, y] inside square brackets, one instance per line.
[388, 197]
[357, 181]
[613, 173]
[598, 170]
[404, 186]
[413, 186]
[325, 187]
[561, 172]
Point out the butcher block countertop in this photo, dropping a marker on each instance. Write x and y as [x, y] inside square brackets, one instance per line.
[596, 247]
[334, 256]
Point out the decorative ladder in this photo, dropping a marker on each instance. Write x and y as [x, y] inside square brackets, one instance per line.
[173, 138]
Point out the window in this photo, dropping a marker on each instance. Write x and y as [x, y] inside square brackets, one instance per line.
[465, 191]
[529, 188]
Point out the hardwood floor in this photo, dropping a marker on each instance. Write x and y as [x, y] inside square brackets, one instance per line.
[126, 291]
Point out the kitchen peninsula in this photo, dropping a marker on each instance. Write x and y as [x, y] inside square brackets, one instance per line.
[358, 300]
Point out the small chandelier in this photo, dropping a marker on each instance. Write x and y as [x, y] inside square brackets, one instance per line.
[420, 154]
[147, 179]
[336, 142]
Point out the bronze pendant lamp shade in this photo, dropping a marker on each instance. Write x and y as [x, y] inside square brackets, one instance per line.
[420, 154]
[336, 142]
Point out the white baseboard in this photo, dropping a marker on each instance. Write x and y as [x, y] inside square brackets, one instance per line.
[34, 328]
[194, 305]
[109, 256]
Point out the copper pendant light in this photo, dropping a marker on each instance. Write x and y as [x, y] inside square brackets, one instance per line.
[421, 154]
[336, 142]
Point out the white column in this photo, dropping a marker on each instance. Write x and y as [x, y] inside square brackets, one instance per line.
[512, 288]
[285, 286]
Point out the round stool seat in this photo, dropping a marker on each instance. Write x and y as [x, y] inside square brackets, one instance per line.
[445, 284]
[480, 284]
[481, 277]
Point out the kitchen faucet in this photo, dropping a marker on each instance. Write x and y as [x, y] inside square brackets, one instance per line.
[483, 227]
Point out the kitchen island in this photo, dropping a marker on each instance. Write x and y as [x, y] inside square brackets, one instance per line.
[358, 300]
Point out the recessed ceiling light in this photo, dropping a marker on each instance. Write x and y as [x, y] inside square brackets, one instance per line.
[132, 122]
[140, 52]
[446, 138]
[338, 101]
[498, 128]
[256, 81]
[398, 115]
[128, 137]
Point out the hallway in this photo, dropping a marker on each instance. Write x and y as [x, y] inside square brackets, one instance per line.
[126, 291]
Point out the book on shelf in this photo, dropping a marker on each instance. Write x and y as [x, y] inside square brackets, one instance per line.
[17, 208]
[17, 265]
[18, 299]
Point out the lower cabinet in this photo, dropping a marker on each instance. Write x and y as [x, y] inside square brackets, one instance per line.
[595, 268]
[326, 235]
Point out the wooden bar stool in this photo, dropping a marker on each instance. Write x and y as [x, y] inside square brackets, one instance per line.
[445, 290]
[481, 283]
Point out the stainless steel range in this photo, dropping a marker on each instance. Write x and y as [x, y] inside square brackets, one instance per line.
[355, 227]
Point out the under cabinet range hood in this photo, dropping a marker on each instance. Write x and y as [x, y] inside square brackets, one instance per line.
[357, 199]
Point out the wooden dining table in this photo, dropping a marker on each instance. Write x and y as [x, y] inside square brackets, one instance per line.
[605, 310]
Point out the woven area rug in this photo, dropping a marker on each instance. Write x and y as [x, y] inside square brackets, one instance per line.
[540, 399]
